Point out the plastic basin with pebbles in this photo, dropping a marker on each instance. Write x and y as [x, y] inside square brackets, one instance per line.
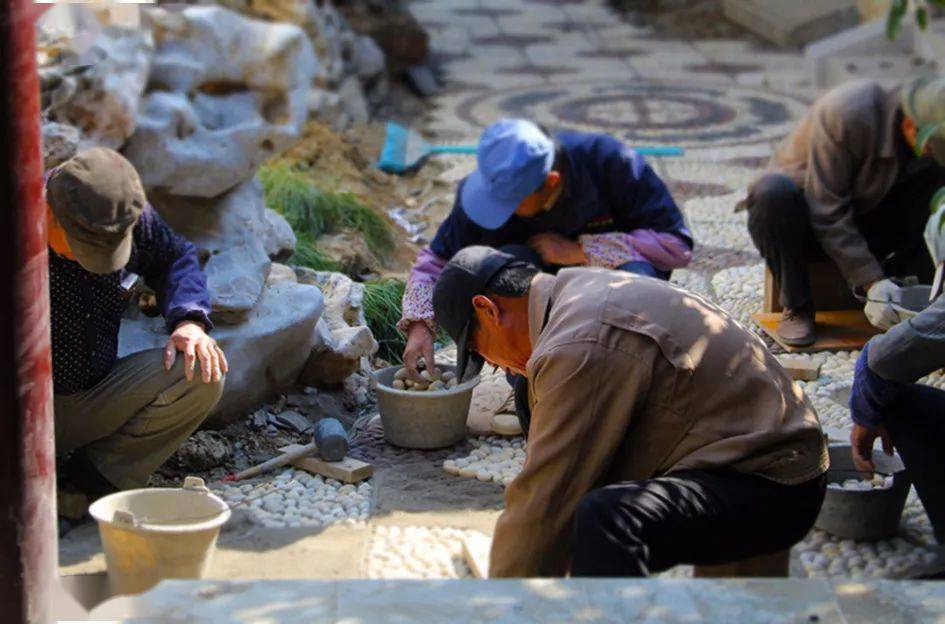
[863, 514]
[423, 420]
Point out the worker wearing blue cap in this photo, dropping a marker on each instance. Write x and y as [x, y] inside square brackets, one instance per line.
[569, 200]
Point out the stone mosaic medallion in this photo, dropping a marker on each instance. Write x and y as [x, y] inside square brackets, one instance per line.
[679, 113]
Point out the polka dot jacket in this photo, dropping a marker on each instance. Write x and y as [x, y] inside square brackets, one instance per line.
[87, 307]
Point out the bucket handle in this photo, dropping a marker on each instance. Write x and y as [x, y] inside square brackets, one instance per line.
[124, 519]
[196, 484]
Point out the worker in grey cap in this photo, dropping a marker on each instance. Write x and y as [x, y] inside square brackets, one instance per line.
[117, 420]
[662, 431]
[847, 185]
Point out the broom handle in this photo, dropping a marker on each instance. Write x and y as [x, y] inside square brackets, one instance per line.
[646, 150]
[453, 149]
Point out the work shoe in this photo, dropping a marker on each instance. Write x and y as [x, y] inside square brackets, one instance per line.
[796, 328]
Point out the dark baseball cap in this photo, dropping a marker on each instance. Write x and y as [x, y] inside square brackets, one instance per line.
[466, 276]
[97, 198]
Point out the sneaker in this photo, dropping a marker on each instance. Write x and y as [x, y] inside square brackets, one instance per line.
[796, 328]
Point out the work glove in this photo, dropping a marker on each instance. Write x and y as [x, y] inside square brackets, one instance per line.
[879, 305]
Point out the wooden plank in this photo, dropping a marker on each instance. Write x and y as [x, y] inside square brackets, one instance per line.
[476, 548]
[837, 330]
[348, 470]
[799, 367]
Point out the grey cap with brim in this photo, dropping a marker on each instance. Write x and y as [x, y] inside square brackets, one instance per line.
[466, 275]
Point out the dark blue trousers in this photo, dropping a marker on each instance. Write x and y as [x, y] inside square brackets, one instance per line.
[916, 423]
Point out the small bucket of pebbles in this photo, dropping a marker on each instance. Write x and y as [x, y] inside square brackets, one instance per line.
[427, 416]
[862, 505]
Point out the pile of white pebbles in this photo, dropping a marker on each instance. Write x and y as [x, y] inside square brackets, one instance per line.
[416, 553]
[495, 459]
[877, 482]
[298, 499]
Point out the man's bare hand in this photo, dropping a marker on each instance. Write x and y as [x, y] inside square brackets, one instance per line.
[419, 344]
[862, 439]
[556, 249]
[191, 339]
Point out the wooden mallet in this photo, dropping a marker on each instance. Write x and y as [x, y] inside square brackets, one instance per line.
[328, 438]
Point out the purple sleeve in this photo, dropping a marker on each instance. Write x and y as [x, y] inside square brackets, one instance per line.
[417, 303]
[169, 265]
[664, 250]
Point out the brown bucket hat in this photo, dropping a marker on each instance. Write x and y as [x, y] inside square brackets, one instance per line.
[923, 100]
[97, 198]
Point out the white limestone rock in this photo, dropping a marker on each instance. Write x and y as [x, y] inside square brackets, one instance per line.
[266, 353]
[100, 93]
[277, 236]
[225, 94]
[342, 338]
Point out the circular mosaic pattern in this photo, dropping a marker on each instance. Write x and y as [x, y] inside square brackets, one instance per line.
[645, 112]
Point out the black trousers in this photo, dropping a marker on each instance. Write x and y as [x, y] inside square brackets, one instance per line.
[696, 517]
[916, 423]
[524, 252]
[779, 224]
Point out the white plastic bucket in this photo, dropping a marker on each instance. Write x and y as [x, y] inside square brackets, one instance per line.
[158, 533]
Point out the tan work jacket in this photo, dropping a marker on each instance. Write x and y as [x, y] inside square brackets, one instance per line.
[845, 154]
[632, 378]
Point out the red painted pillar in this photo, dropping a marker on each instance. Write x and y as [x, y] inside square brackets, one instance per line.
[28, 545]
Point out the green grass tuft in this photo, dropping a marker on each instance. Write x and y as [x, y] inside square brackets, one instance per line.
[382, 310]
[291, 192]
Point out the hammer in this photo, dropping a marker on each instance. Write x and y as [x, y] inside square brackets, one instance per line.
[328, 438]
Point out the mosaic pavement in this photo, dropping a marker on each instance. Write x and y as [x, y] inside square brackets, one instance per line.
[579, 65]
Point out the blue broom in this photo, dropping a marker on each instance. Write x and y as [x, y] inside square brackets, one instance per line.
[405, 149]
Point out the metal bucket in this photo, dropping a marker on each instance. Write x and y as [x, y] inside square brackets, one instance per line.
[863, 515]
[156, 533]
[423, 420]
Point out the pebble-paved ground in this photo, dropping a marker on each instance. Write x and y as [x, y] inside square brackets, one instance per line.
[727, 101]
[569, 63]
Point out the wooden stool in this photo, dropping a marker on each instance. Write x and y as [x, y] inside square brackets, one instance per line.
[828, 288]
[774, 565]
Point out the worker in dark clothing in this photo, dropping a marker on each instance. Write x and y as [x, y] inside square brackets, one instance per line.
[117, 420]
[846, 186]
[572, 199]
[887, 403]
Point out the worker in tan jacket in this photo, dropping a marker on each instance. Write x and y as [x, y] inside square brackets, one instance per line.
[662, 431]
[846, 185]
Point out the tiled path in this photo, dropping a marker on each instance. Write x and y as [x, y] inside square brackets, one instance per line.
[577, 64]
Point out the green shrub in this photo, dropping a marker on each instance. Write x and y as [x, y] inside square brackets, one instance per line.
[382, 310]
[291, 192]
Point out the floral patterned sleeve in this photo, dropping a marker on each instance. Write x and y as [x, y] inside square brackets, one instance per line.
[663, 250]
[417, 303]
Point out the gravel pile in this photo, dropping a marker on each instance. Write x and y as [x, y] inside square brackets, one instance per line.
[296, 498]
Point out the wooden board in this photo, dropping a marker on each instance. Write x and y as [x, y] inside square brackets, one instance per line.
[348, 470]
[476, 548]
[838, 330]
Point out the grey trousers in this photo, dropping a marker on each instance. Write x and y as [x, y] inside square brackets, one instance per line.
[133, 420]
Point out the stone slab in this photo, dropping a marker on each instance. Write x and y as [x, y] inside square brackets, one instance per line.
[792, 23]
[800, 368]
[535, 600]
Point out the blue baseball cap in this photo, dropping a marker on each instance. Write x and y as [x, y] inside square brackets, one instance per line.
[514, 158]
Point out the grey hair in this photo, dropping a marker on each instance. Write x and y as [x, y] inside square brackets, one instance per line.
[513, 280]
